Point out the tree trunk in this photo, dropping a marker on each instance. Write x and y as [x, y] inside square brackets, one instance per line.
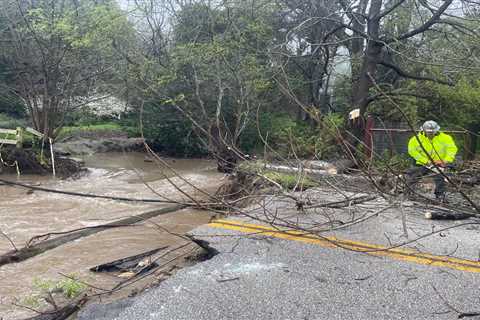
[371, 58]
[357, 44]
[225, 155]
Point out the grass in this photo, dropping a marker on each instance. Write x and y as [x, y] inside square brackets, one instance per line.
[290, 181]
[10, 123]
[109, 126]
[103, 127]
[287, 180]
[27, 137]
[44, 289]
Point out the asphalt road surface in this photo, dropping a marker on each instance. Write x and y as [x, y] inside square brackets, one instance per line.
[260, 274]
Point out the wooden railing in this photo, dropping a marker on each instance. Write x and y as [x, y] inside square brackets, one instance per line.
[17, 135]
[17, 140]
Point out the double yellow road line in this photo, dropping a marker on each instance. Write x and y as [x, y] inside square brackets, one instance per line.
[333, 242]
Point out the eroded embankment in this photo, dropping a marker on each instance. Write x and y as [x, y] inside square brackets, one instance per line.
[29, 161]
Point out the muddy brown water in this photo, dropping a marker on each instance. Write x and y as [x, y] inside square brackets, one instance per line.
[24, 214]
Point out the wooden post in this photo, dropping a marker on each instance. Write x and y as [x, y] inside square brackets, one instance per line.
[19, 137]
[52, 155]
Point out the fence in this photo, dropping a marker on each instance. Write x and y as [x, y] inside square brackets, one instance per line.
[391, 141]
[18, 135]
[18, 142]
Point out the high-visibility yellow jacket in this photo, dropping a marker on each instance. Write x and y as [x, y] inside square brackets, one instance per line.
[440, 147]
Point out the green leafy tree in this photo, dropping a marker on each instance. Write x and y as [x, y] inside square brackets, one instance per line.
[60, 53]
[217, 73]
[456, 107]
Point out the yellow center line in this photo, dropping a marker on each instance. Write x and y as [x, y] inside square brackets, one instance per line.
[333, 242]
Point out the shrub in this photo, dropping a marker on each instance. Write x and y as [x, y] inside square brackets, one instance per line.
[8, 122]
[12, 107]
[169, 132]
[290, 138]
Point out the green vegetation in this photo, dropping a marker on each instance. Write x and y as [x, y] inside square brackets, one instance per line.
[237, 76]
[397, 163]
[167, 131]
[109, 127]
[46, 292]
[9, 122]
[291, 138]
[70, 287]
[58, 56]
[291, 181]
[28, 138]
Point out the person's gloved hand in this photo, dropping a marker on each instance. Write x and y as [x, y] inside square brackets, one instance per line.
[440, 163]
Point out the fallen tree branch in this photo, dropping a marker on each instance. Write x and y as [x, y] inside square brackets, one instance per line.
[344, 203]
[46, 236]
[31, 251]
[80, 194]
[9, 240]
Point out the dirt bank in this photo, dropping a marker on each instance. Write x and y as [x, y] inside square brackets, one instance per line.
[84, 146]
[32, 161]
[29, 161]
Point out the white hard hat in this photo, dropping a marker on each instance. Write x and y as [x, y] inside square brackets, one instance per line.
[430, 126]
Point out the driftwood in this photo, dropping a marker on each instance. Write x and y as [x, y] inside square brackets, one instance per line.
[27, 252]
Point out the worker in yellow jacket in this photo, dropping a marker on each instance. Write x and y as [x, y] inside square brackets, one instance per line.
[428, 148]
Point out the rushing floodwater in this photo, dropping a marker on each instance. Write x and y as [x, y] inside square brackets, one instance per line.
[24, 214]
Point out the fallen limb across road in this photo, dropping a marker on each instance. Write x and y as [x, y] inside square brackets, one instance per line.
[344, 203]
[30, 251]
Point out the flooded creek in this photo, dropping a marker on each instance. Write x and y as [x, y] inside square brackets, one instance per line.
[24, 214]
